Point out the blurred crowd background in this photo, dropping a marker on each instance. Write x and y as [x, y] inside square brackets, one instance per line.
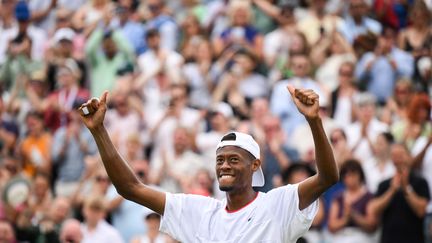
[183, 73]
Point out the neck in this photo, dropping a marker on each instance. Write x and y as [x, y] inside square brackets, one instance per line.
[92, 225]
[382, 157]
[236, 200]
[152, 234]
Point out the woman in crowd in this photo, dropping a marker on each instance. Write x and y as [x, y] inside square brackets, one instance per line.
[349, 219]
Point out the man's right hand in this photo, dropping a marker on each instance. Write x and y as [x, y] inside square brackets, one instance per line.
[97, 109]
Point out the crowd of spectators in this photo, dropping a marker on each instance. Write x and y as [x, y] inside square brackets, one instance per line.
[183, 73]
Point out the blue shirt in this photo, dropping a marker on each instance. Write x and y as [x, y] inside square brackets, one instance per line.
[134, 32]
[71, 165]
[350, 30]
[281, 103]
[382, 77]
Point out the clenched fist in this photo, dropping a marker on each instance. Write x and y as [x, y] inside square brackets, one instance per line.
[306, 100]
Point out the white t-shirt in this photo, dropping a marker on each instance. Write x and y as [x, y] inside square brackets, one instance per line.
[426, 169]
[271, 217]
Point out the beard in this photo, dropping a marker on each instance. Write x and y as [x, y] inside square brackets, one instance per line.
[226, 188]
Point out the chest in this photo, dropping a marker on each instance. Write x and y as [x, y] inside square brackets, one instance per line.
[251, 225]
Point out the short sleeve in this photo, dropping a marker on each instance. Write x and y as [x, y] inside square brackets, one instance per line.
[422, 189]
[382, 188]
[183, 214]
[285, 203]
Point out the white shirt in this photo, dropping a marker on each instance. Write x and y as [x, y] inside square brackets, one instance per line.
[426, 169]
[271, 217]
[101, 234]
[363, 151]
[37, 35]
[374, 175]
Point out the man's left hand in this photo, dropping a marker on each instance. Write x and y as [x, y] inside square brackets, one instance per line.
[306, 101]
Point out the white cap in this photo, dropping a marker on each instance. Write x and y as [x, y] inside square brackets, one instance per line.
[246, 142]
[63, 34]
[224, 109]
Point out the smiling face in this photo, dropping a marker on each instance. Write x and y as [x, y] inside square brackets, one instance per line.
[234, 168]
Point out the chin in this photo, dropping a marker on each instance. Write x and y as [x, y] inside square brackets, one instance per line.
[226, 188]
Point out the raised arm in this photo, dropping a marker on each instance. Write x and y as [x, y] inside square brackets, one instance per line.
[121, 175]
[312, 188]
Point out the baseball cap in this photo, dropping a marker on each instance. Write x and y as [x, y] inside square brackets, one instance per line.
[246, 142]
[22, 11]
[63, 34]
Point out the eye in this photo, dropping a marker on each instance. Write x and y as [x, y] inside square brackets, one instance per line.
[234, 159]
[219, 161]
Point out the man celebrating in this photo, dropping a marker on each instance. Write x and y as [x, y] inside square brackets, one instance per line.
[281, 215]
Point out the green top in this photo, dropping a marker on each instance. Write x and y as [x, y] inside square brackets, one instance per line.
[103, 71]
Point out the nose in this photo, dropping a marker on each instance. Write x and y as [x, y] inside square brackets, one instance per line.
[225, 165]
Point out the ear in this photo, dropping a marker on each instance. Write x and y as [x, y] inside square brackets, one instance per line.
[256, 164]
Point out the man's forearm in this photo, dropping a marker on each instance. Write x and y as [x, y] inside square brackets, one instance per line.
[327, 169]
[417, 203]
[118, 170]
[380, 203]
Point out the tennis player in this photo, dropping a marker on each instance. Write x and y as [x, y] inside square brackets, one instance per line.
[281, 215]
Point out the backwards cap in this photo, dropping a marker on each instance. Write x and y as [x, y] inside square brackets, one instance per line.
[246, 142]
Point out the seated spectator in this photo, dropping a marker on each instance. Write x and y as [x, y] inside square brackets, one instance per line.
[123, 121]
[378, 71]
[71, 231]
[22, 26]
[92, 14]
[318, 22]
[18, 66]
[7, 233]
[242, 83]
[156, 60]
[192, 34]
[197, 73]
[417, 37]
[396, 107]
[400, 202]
[379, 167]
[41, 198]
[36, 145]
[417, 122]
[173, 170]
[349, 219]
[277, 156]
[105, 64]
[241, 33]
[341, 99]
[58, 104]
[94, 227]
[71, 145]
[341, 150]
[163, 23]
[277, 43]
[328, 55]
[170, 115]
[65, 45]
[363, 132]
[133, 31]
[357, 22]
